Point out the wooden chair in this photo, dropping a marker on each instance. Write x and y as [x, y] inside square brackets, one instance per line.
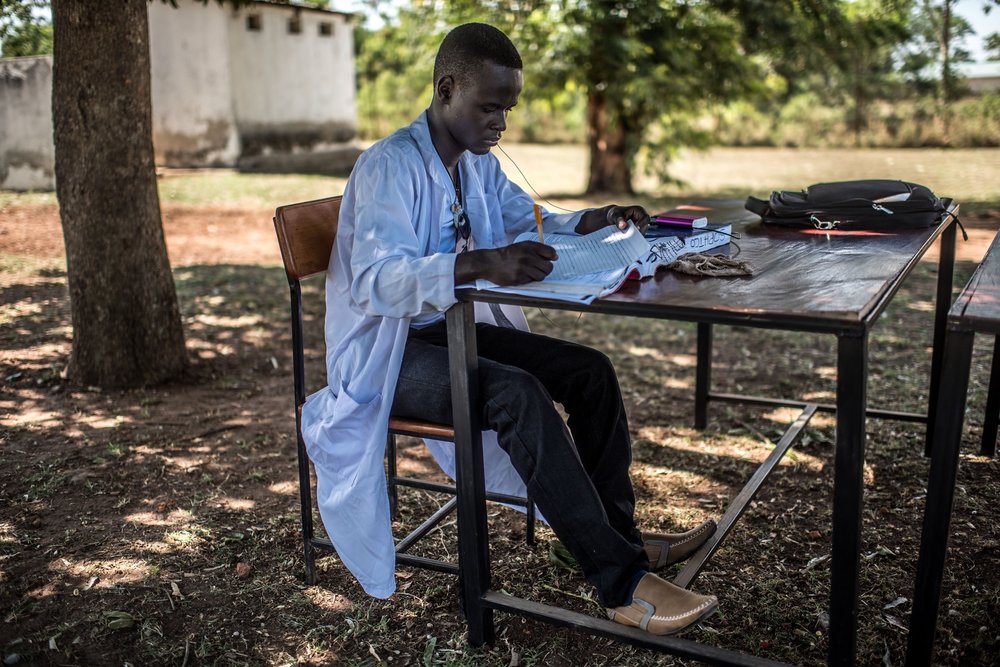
[306, 234]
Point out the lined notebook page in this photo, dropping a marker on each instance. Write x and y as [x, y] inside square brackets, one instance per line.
[607, 248]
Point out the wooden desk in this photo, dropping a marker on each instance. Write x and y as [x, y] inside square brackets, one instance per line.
[805, 280]
[977, 309]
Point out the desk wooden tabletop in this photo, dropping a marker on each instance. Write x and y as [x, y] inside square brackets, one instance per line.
[804, 279]
[978, 306]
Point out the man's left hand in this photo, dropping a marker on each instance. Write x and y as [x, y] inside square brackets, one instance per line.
[620, 216]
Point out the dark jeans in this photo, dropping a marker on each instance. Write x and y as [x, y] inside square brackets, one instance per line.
[578, 477]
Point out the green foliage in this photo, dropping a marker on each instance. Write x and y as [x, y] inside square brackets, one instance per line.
[936, 43]
[394, 67]
[806, 120]
[27, 39]
[992, 44]
[20, 25]
[14, 12]
[662, 75]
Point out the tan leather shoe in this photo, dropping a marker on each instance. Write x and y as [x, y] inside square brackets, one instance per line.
[661, 608]
[665, 549]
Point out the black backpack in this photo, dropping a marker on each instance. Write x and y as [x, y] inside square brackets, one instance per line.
[848, 205]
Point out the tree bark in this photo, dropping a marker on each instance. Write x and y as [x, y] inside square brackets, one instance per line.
[860, 115]
[126, 323]
[609, 168]
[945, 51]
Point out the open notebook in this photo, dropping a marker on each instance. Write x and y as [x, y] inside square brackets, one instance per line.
[595, 264]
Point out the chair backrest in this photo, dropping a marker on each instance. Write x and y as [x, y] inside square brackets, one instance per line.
[306, 232]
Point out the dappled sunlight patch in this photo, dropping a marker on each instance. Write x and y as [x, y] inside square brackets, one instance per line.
[36, 410]
[921, 306]
[173, 518]
[91, 569]
[192, 462]
[286, 488]
[691, 440]
[654, 433]
[8, 547]
[328, 600]
[823, 420]
[869, 472]
[147, 451]
[667, 516]
[209, 350]
[683, 360]
[751, 447]
[819, 397]
[190, 536]
[783, 415]
[827, 372]
[184, 463]
[147, 519]
[671, 382]
[98, 421]
[223, 322]
[118, 570]
[803, 460]
[684, 479]
[25, 414]
[237, 504]
[637, 351]
[152, 548]
[11, 311]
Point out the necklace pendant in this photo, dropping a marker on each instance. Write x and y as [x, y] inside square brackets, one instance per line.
[456, 207]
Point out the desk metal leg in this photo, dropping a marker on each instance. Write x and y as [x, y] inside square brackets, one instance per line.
[703, 376]
[945, 278]
[473, 538]
[947, 438]
[988, 443]
[848, 486]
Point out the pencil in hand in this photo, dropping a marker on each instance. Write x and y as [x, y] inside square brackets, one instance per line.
[538, 223]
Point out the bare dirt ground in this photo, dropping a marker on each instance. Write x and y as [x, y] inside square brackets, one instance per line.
[160, 526]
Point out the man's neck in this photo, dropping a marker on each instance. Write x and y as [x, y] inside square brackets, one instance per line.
[445, 146]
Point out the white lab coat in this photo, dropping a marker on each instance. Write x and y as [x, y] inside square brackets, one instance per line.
[385, 269]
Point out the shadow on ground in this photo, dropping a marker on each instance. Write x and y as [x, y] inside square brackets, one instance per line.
[160, 526]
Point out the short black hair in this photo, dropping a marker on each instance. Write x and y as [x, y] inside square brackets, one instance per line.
[468, 46]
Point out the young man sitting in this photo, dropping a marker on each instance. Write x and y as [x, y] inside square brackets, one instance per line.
[429, 208]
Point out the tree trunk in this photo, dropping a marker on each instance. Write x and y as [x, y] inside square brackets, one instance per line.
[609, 168]
[126, 324]
[944, 45]
[860, 117]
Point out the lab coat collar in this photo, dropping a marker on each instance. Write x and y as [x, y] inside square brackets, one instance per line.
[421, 132]
[472, 185]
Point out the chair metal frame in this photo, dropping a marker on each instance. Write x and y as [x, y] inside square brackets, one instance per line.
[306, 233]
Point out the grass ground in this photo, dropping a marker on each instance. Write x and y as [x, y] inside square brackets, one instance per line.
[160, 526]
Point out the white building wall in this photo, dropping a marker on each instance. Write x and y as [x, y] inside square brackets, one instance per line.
[221, 95]
[193, 119]
[291, 92]
[986, 84]
[27, 152]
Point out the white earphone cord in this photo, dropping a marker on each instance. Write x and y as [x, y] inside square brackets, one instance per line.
[529, 183]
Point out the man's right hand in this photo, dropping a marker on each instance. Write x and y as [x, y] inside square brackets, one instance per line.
[514, 264]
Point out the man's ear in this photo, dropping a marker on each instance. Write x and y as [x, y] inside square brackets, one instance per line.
[444, 88]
